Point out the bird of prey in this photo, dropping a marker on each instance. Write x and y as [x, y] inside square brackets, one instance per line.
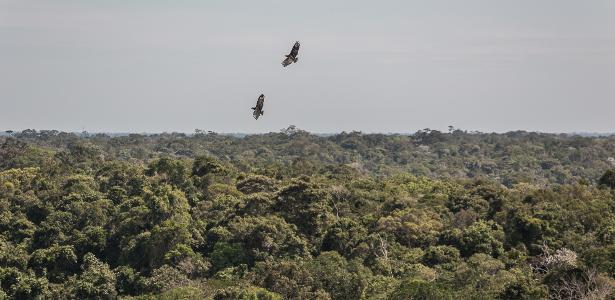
[258, 109]
[292, 57]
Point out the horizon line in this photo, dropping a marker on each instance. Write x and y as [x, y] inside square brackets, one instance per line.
[4, 132]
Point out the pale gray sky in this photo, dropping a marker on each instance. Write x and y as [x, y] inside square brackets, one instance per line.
[374, 66]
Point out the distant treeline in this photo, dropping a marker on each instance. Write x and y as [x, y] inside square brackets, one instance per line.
[509, 158]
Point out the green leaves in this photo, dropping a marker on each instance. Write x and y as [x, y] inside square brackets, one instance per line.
[204, 165]
[227, 255]
[267, 236]
[343, 236]
[306, 205]
[608, 179]
[139, 216]
[56, 262]
[421, 290]
[413, 227]
[96, 280]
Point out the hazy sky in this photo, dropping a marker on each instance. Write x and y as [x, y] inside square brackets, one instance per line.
[374, 66]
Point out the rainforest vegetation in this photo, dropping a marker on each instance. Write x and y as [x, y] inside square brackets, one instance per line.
[293, 215]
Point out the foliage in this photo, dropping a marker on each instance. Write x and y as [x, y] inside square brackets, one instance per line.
[293, 215]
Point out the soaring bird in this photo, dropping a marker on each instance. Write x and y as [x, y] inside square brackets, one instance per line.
[258, 109]
[293, 56]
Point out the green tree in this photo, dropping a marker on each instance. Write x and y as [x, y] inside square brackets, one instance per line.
[343, 236]
[246, 294]
[608, 179]
[305, 205]
[96, 281]
[266, 236]
[57, 262]
[420, 290]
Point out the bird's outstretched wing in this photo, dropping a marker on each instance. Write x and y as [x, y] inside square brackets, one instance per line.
[295, 51]
[287, 61]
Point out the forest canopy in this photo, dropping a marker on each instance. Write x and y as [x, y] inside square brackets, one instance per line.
[293, 215]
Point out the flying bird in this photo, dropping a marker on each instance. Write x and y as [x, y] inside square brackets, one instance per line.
[258, 109]
[293, 56]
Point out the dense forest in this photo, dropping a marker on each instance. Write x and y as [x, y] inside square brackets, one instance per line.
[293, 215]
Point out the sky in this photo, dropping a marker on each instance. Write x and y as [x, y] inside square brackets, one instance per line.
[372, 66]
